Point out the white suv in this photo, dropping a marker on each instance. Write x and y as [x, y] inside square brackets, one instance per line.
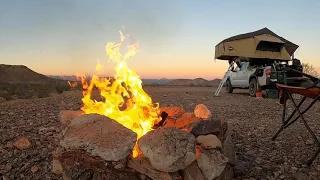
[247, 76]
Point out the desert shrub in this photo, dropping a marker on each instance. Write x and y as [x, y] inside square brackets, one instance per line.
[23, 91]
[41, 93]
[61, 86]
[7, 94]
[310, 69]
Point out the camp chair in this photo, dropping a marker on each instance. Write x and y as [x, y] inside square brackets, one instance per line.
[286, 92]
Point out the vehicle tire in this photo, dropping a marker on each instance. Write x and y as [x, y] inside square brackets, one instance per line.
[229, 87]
[253, 87]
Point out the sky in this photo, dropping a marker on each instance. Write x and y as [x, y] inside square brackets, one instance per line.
[176, 37]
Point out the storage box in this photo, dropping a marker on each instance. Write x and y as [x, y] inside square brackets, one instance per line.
[272, 93]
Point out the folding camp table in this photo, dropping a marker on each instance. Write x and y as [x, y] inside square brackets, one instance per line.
[313, 93]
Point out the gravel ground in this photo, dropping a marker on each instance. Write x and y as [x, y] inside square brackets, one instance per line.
[253, 121]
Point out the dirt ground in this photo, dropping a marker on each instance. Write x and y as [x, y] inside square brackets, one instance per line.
[253, 121]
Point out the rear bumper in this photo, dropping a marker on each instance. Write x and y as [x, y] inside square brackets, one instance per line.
[293, 81]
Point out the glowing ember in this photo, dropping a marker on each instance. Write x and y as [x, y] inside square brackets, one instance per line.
[125, 100]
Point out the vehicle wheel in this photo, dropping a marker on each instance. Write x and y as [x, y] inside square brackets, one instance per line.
[229, 87]
[253, 87]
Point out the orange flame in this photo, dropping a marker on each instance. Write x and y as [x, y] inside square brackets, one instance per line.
[73, 84]
[125, 100]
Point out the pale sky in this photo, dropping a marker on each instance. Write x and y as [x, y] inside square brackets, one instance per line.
[177, 38]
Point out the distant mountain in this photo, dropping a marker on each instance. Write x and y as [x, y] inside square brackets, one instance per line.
[161, 81]
[199, 82]
[155, 81]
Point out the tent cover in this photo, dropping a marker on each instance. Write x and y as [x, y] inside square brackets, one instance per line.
[263, 44]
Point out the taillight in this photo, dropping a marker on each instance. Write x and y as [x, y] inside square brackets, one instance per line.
[268, 72]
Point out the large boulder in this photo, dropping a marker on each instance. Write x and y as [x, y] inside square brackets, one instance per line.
[99, 136]
[168, 149]
[143, 166]
[229, 151]
[212, 163]
[192, 172]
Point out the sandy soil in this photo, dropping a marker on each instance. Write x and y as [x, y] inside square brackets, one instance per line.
[253, 121]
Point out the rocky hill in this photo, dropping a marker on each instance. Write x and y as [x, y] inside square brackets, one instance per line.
[20, 82]
[19, 74]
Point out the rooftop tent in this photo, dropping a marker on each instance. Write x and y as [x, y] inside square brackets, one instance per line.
[258, 44]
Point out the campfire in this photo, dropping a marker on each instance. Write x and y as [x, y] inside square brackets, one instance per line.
[128, 136]
[125, 101]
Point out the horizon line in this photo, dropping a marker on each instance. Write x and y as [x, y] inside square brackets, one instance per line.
[143, 78]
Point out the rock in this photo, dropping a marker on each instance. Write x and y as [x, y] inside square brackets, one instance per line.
[301, 176]
[120, 165]
[212, 163]
[169, 123]
[169, 149]
[309, 142]
[2, 100]
[228, 132]
[209, 141]
[56, 167]
[192, 172]
[175, 176]
[223, 130]
[80, 165]
[66, 116]
[99, 136]
[227, 174]
[8, 167]
[173, 111]
[229, 151]
[202, 111]
[143, 166]
[22, 143]
[186, 119]
[14, 97]
[276, 174]
[10, 145]
[142, 176]
[206, 127]
[34, 169]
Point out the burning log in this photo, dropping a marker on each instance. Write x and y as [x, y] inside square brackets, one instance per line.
[163, 116]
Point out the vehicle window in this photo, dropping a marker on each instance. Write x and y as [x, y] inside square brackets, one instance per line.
[243, 66]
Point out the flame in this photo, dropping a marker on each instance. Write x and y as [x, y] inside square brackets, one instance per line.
[125, 101]
[73, 84]
[98, 66]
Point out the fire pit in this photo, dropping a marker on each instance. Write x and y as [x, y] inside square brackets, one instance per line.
[126, 136]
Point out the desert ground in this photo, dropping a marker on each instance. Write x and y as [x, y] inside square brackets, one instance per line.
[253, 122]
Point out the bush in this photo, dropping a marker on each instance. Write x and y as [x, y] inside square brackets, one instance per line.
[61, 86]
[310, 69]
